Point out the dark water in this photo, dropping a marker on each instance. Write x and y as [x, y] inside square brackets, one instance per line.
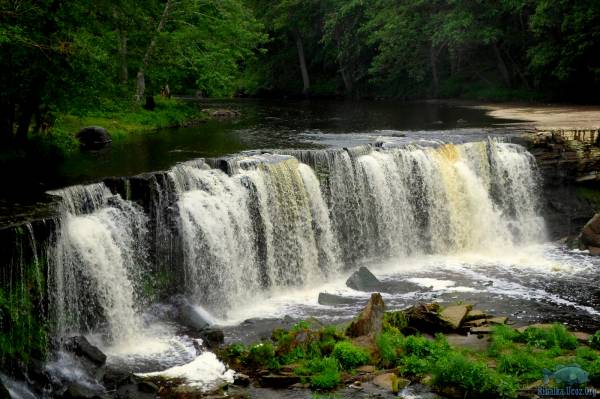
[262, 125]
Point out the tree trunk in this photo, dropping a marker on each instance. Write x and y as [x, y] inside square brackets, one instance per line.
[141, 76]
[302, 59]
[24, 122]
[501, 65]
[7, 117]
[123, 73]
[434, 71]
[348, 83]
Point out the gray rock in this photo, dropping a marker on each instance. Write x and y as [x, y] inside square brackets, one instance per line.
[80, 391]
[241, 380]
[190, 317]
[212, 337]
[370, 320]
[363, 280]
[333, 300]
[93, 137]
[278, 381]
[135, 388]
[81, 347]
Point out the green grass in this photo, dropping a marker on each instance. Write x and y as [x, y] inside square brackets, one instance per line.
[513, 360]
[349, 355]
[120, 120]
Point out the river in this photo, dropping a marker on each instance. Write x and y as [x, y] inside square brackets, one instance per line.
[436, 200]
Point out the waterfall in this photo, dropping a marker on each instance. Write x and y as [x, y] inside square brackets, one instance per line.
[255, 223]
[98, 257]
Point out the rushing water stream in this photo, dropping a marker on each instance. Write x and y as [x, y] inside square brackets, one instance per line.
[259, 235]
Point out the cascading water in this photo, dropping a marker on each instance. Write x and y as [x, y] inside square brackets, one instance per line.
[98, 257]
[290, 219]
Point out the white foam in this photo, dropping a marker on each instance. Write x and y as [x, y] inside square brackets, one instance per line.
[205, 373]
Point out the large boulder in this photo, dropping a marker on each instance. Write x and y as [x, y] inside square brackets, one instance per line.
[81, 347]
[93, 137]
[590, 235]
[78, 390]
[134, 387]
[454, 315]
[192, 316]
[370, 320]
[363, 280]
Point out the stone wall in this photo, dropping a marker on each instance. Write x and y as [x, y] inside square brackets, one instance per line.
[569, 162]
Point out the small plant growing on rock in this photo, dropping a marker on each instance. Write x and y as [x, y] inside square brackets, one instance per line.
[324, 373]
[261, 355]
[349, 355]
[595, 340]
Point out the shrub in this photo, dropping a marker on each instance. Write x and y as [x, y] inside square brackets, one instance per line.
[349, 355]
[595, 340]
[556, 336]
[414, 366]
[324, 372]
[521, 363]
[473, 377]
[394, 320]
[261, 355]
[390, 347]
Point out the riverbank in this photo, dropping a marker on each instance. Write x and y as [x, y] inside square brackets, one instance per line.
[454, 350]
[122, 120]
[546, 116]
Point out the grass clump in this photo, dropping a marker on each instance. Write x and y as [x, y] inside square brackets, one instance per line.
[472, 377]
[389, 345]
[556, 336]
[261, 355]
[323, 373]
[595, 340]
[349, 355]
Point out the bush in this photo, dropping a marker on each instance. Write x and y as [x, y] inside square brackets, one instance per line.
[556, 336]
[595, 340]
[261, 355]
[324, 372]
[349, 355]
[455, 369]
[520, 363]
[390, 347]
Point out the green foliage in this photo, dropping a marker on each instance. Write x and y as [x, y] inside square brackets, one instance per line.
[389, 345]
[261, 355]
[595, 340]
[474, 377]
[556, 336]
[23, 331]
[395, 320]
[349, 355]
[324, 372]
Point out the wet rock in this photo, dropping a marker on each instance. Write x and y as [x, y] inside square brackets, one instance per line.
[80, 346]
[191, 317]
[333, 300]
[222, 113]
[370, 320]
[366, 369]
[475, 314]
[241, 380]
[582, 337]
[134, 387]
[93, 137]
[590, 235]
[363, 280]
[278, 380]
[390, 382]
[454, 315]
[475, 323]
[80, 391]
[4, 394]
[498, 320]
[424, 318]
[212, 337]
[481, 330]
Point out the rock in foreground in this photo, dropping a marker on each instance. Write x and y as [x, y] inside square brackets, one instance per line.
[370, 320]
